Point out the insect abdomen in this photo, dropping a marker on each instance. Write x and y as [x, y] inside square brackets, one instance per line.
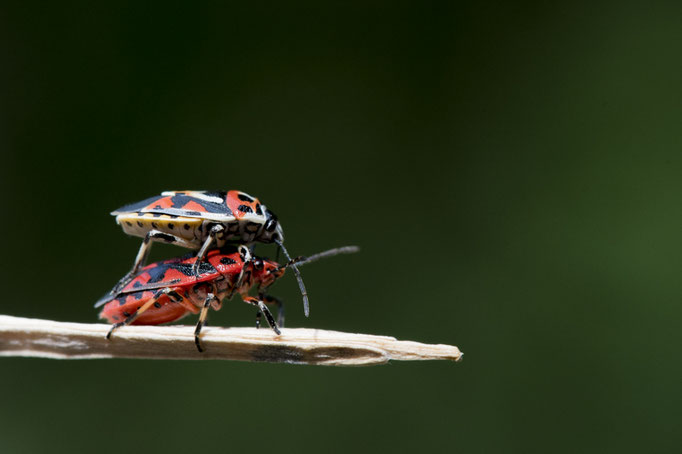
[139, 224]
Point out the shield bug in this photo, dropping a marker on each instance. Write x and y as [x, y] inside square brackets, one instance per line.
[168, 290]
[200, 220]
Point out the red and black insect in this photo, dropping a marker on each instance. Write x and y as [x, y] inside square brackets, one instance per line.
[168, 290]
[199, 220]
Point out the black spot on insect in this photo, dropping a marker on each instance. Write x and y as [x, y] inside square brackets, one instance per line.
[227, 261]
[137, 284]
[156, 215]
[245, 209]
[126, 314]
[139, 224]
[157, 207]
[120, 301]
[244, 198]
[259, 210]
[186, 226]
[205, 268]
[157, 304]
[171, 225]
[129, 224]
[155, 225]
[158, 274]
[137, 295]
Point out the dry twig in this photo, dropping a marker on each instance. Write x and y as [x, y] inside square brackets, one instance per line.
[60, 340]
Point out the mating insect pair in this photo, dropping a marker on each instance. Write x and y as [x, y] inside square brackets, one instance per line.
[199, 220]
[166, 291]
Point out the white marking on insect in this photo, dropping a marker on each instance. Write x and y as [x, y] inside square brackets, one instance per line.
[201, 195]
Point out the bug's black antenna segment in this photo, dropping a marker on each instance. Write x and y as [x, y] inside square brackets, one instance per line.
[330, 253]
[303, 260]
[304, 293]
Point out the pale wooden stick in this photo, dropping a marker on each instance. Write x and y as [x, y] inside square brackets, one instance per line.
[60, 340]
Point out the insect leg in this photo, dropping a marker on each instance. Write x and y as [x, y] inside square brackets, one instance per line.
[210, 300]
[245, 273]
[131, 318]
[264, 310]
[215, 230]
[141, 259]
[269, 299]
[149, 238]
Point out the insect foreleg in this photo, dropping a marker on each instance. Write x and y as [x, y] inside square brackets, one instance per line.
[269, 299]
[264, 310]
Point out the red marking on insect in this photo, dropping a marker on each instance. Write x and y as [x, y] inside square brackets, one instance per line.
[193, 206]
[160, 203]
[242, 204]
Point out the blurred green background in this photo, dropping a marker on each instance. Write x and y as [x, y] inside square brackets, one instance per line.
[511, 172]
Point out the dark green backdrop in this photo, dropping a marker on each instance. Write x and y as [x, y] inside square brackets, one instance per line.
[511, 172]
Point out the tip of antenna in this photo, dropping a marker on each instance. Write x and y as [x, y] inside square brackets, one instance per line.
[306, 306]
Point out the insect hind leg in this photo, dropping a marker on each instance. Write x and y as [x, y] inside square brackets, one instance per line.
[210, 300]
[131, 318]
[141, 260]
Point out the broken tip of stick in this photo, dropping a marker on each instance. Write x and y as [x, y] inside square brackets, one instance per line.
[62, 340]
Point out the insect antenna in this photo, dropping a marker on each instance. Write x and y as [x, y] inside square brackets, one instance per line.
[322, 255]
[302, 260]
[299, 279]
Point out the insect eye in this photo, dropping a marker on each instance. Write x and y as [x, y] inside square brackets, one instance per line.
[258, 264]
[271, 225]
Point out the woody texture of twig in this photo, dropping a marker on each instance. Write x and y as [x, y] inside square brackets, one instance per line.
[60, 340]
